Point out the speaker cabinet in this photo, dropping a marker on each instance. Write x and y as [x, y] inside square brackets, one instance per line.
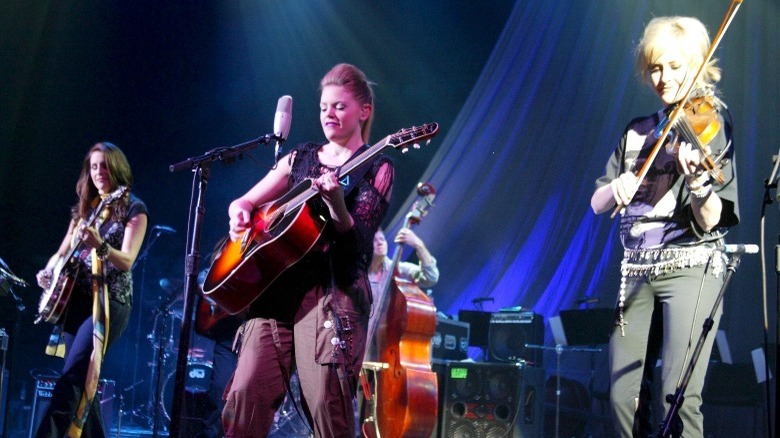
[509, 334]
[486, 400]
[44, 387]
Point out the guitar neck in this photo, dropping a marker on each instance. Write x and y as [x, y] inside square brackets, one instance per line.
[104, 203]
[348, 167]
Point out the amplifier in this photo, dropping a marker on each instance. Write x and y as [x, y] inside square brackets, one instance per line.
[44, 387]
[510, 332]
[451, 340]
[487, 400]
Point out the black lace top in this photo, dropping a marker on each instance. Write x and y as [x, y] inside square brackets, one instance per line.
[342, 257]
[367, 205]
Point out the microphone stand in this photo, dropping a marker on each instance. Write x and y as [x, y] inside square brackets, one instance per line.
[7, 280]
[676, 399]
[200, 166]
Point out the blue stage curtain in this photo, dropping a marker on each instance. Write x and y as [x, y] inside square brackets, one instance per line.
[515, 173]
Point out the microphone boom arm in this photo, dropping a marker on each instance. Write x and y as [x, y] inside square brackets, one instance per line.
[222, 153]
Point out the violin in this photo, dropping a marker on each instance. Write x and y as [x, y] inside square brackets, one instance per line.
[698, 126]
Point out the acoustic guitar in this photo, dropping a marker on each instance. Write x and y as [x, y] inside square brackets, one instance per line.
[283, 231]
[207, 315]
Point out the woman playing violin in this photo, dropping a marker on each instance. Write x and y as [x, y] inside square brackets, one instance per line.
[672, 223]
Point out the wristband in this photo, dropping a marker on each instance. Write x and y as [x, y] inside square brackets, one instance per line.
[701, 192]
[103, 251]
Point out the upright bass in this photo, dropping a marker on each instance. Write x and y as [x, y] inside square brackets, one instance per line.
[407, 389]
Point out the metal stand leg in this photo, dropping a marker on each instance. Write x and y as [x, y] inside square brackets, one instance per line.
[371, 396]
[676, 399]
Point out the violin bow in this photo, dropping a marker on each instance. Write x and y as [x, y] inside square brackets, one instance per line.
[674, 116]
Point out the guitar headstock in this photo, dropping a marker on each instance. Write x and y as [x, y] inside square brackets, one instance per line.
[116, 194]
[414, 135]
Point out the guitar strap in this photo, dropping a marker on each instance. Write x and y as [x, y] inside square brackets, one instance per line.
[100, 331]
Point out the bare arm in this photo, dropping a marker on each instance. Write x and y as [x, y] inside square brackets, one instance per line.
[272, 186]
[44, 276]
[124, 257]
[706, 205]
[407, 236]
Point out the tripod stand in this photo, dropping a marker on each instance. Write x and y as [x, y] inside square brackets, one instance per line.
[143, 412]
[163, 341]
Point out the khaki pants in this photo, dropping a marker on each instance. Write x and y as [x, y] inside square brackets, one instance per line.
[267, 358]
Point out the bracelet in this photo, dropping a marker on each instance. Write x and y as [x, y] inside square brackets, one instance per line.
[700, 187]
[103, 251]
[700, 192]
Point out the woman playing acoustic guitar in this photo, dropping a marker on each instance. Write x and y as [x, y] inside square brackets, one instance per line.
[314, 316]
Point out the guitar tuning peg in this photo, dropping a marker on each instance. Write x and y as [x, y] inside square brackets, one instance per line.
[416, 145]
[427, 142]
[404, 150]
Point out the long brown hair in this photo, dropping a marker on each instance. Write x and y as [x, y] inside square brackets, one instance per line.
[354, 80]
[119, 174]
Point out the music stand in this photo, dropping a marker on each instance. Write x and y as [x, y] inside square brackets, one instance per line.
[587, 327]
[583, 330]
[479, 328]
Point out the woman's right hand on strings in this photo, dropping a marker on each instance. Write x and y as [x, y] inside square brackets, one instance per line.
[624, 188]
[44, 277]
[240, 213]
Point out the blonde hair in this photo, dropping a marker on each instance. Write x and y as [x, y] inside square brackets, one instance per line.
[692, 39]
[354, 80]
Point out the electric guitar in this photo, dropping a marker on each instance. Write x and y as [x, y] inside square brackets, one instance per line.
[55, 298]
[282, 232]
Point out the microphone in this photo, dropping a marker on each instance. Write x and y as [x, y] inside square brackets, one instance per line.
[482, 299]
[282, 121]
[163, 229]
[739, 248]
